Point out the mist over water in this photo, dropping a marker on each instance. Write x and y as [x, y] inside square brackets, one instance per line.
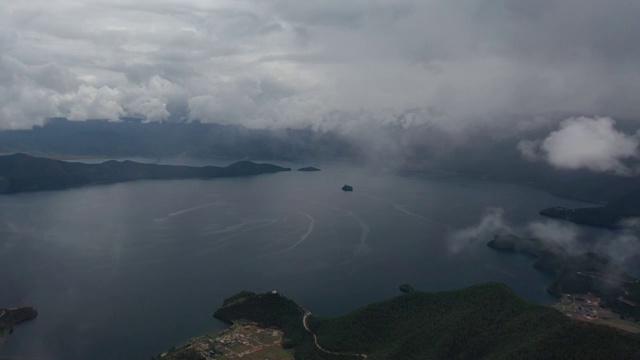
[127, 270]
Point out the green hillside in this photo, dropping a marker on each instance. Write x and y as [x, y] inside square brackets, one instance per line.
[485, 321]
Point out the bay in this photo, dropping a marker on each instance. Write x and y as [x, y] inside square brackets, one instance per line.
[125, 271]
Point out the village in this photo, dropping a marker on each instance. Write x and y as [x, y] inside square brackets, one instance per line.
[580, 306]
[588, 307]
[244, 340]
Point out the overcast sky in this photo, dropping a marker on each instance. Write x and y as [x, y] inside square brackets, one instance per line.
[291, 63]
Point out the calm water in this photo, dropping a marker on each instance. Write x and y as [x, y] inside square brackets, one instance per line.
[125, 271]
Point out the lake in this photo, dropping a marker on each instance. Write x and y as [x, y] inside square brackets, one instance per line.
[125, 271]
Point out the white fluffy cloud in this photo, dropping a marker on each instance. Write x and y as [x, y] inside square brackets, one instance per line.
[583, 142]
[284, 62]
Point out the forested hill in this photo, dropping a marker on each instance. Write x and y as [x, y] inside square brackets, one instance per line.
[20, 172]
[485, 321]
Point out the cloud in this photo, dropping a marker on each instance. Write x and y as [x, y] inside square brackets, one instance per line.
[491, 223]
[530, 149]
[584, 143]
[622, 246]
[564, 234]
[462, 60]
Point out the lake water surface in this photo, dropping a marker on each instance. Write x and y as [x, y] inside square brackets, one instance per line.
[125, 271]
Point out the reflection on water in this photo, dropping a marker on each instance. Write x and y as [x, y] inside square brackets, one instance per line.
[127, 270]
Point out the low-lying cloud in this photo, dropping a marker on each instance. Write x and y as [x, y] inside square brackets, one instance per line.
[622, 245]
[584, 143]
[491, 223]
[561, 233]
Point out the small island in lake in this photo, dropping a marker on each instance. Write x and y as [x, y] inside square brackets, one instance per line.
[482, 321]
[21, 172]
[347, 188]
[309, 168]
[12, 317]
[584, 276]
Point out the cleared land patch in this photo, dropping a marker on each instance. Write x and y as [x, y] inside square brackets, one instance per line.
[243, 340]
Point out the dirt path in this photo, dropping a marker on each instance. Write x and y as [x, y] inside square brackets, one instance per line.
[315, 339]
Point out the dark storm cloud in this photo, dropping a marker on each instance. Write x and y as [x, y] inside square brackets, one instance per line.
[326, 64]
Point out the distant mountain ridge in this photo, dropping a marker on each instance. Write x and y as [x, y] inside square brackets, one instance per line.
[130, 138]
[21, 172]
[486, 154]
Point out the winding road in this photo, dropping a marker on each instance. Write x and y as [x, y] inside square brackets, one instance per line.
[315, 339]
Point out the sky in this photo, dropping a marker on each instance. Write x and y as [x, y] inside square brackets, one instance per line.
[327, 64]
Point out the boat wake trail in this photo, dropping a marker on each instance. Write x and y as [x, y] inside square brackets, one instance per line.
[240, 228]
[87, 201]
[312, 224]
[363, 248]
[404, 210]
[184, 211]
[218, 244]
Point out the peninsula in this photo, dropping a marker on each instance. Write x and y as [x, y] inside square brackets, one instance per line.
[587, 275]
[482, 321]
[12, 317]
[611, 216]
[21, 172]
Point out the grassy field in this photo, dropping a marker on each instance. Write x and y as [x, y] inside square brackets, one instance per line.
[620, 324]
[565, 305]
[266, 337]
[606, 317]
[273, 352]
